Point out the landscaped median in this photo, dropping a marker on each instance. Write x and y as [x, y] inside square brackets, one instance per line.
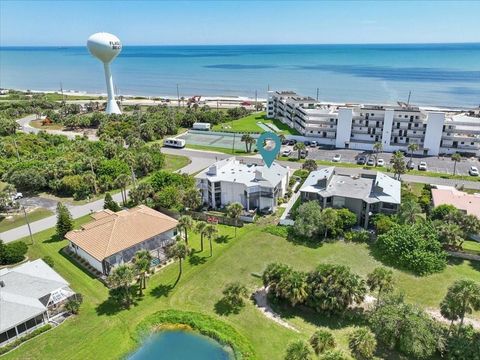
[203, 324]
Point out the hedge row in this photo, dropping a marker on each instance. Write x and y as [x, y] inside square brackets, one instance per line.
[19, 341]
[204, 324]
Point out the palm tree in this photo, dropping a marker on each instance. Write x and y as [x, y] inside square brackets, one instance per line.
[382, 279]
[122, 182]
[200, 229]
[210, 232]
[398, 164]
[293, 287]
[378, 148]
[179, 251]
[321, 341]
[129, 159]
[192, 198]
[248, 140]
[298, 350]
[299, 146]
[310, 165]
[185, 223]
[142, 261]
[456, 158]
[234, 210]
[463, 297]
[362, 343]
[409, 211]
[412, 147]
[144, 162]
[121, 278]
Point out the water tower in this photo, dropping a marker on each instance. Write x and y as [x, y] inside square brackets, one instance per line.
[106, 47]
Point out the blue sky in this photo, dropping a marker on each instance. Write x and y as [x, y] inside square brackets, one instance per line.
[238, 22]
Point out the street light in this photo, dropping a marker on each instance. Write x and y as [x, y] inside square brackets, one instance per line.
[28, 223]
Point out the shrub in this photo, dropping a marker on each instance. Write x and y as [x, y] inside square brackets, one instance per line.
[407, 328]
[335, 355]
[361, 236]
[49, 261]
[73, 305]
[298, 350]
[463, 344]
[362, 343]
[383, 223]
[13, 252]
[321, 341]
[234, 294]
[414, 247]
[15, 343]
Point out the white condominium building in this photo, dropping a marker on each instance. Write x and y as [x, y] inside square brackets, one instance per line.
[254, 186]
[359, 126]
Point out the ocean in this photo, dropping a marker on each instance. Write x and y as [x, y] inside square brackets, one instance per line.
[436, 74]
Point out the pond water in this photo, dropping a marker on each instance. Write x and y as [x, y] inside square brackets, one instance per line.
[181, 345]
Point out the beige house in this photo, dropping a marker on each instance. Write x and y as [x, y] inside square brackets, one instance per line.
[113, 238]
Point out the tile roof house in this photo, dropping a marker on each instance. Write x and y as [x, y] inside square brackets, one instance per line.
[30, 295]
[448, 195]
[255, 187]
[364, 195]
[114, 238]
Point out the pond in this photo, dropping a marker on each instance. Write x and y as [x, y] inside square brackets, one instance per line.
[181, 345]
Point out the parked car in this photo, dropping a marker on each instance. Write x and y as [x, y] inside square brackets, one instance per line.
[473, 171]
[284, 141]
[307, 143]
[410, 165]
[313, 144]
[422, 166]
[337, 158]
[380, 162]
[292, 142]
[18, 196]
[371, 162]
[303, 153]
[287, 152]
[361, 160]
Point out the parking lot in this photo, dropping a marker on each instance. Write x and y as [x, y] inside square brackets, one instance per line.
[434, 163]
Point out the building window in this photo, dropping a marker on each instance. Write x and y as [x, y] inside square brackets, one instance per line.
[416, 125]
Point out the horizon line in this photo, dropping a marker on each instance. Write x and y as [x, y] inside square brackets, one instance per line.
[261, 44]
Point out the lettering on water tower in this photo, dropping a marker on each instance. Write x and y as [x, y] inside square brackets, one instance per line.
[115, 45]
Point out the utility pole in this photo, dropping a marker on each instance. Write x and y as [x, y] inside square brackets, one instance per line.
[178, 96]
[94, 177]
[255, 100]
[16, 149]
[28, 223]
[233, 145]
[63, 98]
[317, 92]
[409, 94]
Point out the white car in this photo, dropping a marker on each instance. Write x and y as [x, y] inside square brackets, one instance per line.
[380, 162]
[313, 144]
[287, 152]
[18, 196]
[337, 158]
[422, 166]
[473, 171]
[371, 162]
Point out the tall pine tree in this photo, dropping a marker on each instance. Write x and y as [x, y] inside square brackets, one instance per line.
[64, 220]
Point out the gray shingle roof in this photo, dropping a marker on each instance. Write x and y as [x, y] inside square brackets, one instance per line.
[22, 288]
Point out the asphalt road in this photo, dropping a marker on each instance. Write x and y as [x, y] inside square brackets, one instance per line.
[201, 160]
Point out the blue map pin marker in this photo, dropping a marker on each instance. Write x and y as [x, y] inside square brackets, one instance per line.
[268, 155]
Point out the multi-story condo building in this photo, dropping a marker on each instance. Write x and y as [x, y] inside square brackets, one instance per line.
[359, 126]
[255, 187]
[365, 195]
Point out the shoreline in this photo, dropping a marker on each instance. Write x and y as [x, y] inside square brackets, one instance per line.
[212, 99]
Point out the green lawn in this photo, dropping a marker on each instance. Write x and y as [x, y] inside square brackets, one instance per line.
[175, 162]
[472, 247]
[101, 331]
[249, 124]
[19, 220]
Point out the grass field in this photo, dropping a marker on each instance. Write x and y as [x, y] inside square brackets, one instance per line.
[472, 247]
[101, 331]
[19, 220]
[249, 124]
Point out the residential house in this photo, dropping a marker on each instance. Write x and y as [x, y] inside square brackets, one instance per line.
[113, 238]
[31, 294]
